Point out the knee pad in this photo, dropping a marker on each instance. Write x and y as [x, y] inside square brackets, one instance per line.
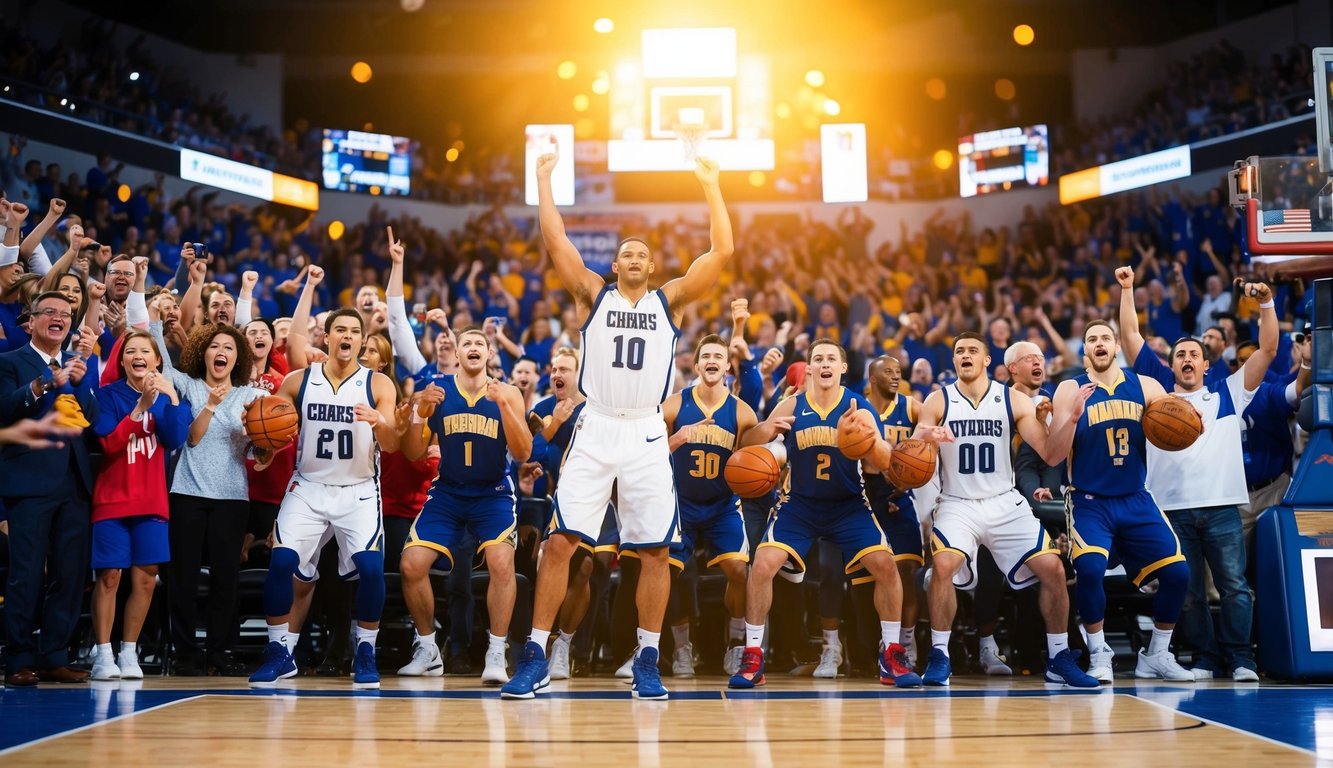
[370, 585]
[1090, 589]
[1172, 587]
[278, 590]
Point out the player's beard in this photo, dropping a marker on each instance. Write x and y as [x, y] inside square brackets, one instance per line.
[1097, 368]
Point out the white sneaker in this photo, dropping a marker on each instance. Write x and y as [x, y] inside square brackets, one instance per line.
[626, 671]
[1099, 664]
[731, 660]
[1244, 675]
[128, 661]
[682, 661]
[1202, 674]
[829, 662]
[104, 667]
[992, 663]
[495, 671]
[426, 661]
[1161, 665]
[559, 660]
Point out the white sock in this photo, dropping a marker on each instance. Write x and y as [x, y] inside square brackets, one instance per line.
[565, 637]
[754, 635]
[289, 640]
[364, 635]
[940, 640]
[988, 641]
[131, 648]
[1056, 643]
[648, 639]
[681, 634]
[105, 649]
[495, 641]
[1096, 641]
[1161, 641]
[277, 633]
[831, 639]
[889, 631]
[426, 641]
[736, 629]
[540, 637]
[907, 637]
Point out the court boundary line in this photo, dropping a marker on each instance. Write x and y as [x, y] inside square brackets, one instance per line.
[1227, 726]
[126, 716]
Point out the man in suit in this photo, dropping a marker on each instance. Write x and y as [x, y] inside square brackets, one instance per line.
[47, 496]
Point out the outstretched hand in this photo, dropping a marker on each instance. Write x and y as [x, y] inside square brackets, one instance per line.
[546, 165]
[706, 171]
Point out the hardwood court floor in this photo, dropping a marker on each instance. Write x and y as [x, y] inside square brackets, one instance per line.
[593, 722]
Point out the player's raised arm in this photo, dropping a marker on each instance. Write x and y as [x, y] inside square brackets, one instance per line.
[298, 338]
[1066, 408]
[400, 332]
[1261, 358]
[582, 283]
[518, 438]
[703, 274]
[1131, 340]
[777, 423]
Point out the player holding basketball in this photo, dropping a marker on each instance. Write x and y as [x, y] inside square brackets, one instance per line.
[476, 419]
[347, 414]
[979, 506]
[629, 344]
[824, 496]
[705, 421]
[1111, 509]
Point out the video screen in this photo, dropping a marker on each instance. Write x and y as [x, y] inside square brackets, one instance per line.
[997, 161]
[373, 163]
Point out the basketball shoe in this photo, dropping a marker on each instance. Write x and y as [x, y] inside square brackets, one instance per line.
[494, 672]
[731, 662]
[277, 665]
[992, 663]
[560, 667]
[751, 673]
[896, 669]
[647, 680]
[830, 661]
[1064, 669]
[426, 661]
[365, 675]
[532, 676]
[128, 661]
[938, 668]
[1161, 665]
[104, 667]
[1099, 664]
[682, 661]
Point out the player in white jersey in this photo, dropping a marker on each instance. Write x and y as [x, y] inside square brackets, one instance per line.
[979, 506]
[629, 345]
[346, 416]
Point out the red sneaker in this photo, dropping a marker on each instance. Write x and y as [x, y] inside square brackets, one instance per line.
[751, 673]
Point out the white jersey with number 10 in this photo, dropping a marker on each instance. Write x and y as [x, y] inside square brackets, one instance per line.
[629, 351]
[333, 447]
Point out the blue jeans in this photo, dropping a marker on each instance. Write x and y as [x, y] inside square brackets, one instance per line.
[1213, 535]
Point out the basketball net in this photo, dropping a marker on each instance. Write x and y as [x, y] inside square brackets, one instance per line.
[691, 137]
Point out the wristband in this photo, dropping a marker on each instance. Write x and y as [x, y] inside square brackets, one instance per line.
[210, 408]
[1267, 304]
[417, 418]
[1305, 367]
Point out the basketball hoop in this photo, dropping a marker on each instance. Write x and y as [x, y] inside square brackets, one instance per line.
[690, 130]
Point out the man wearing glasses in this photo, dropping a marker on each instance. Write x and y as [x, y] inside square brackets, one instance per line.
[47, 495]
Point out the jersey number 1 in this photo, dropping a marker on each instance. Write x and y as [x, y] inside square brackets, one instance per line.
[629, 355]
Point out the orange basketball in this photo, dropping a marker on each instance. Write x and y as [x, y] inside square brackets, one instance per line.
[1172, 423]
[271, 422]
[912, 464]
[751, 471]
[855, 444]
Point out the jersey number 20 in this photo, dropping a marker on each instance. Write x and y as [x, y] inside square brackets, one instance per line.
[324, 451]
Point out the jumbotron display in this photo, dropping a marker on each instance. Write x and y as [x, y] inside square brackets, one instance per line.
[375, 163]
[996, 161]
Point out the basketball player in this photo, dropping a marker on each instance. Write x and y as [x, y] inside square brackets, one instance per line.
[705, 421]
[629, 343]
[346, 416]
[979, 506]
[476, 419]
[1111, 509]
[824, 496]
[895, 510]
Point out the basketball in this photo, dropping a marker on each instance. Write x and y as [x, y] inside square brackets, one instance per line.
[1172, 424]
[751, 472]
[912, 464]
[271, 422]
[855, 444]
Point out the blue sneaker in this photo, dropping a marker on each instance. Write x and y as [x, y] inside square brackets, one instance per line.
[1064, 669]
[937, 668]
[277, 665]
[647, 680]
[533, 675]
[751, 673]
[365, 675]
[895, 669]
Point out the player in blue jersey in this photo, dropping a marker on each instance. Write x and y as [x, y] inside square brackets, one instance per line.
[705, 422]
[824, 496]
[477, 421]
[1112, 513]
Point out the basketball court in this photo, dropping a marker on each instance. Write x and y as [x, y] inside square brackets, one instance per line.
[791, 721]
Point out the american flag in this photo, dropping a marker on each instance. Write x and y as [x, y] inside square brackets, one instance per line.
[1294, 220]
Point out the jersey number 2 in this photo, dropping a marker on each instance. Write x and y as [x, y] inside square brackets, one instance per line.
[324, 451]
[629, 354]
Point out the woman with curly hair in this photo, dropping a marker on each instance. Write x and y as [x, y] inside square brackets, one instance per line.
[210, 498]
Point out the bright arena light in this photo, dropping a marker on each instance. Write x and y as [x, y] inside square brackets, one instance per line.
[814, 78]
[336, 229]
[581, 102]
[451, 154]
[361, 72]
[566, 70]
[943, 159]
[757, 178]
[936, 89]
[603, 26]
[123, 193]
[832, 107]
[1024, 34]
[602, 84]
[134, 76]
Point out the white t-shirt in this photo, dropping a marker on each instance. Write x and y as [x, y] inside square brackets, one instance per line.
[1210, 473]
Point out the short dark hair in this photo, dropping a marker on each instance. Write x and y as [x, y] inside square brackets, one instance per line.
[1094, 324]
[973, 335]
[344, 312]
[1187, 340]
[711, 338]
[1244, 345]
[633, 239]
[826, 341]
